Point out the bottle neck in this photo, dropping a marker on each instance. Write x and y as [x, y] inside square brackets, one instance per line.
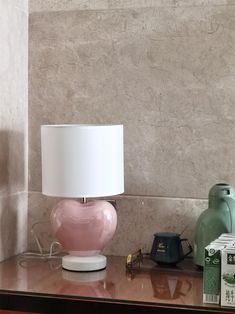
[218, 203]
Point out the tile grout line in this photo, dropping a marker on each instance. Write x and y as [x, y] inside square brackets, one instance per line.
[132, 196]
[58, 10]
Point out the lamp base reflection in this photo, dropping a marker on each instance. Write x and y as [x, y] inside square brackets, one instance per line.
[91, 284]
[83, 277]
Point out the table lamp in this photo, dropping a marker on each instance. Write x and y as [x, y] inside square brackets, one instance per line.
[79, 162]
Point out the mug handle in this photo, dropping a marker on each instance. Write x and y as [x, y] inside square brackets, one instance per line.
[189, 247]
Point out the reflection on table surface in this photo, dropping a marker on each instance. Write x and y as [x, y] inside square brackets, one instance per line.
[179, 285]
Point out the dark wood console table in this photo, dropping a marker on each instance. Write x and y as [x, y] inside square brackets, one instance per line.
[43, 287]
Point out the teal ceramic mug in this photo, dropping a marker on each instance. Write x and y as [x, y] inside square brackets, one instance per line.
[167, 248]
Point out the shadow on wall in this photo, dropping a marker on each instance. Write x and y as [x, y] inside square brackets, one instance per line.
[12, 184]
[12, 174]
[8, 226]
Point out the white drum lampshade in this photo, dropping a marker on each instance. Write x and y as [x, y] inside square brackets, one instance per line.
[80, 161]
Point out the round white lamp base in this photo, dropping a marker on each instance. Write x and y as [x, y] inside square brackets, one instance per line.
[84, 263]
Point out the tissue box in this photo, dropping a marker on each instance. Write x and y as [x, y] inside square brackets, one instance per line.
[228, 277]
[211, 272]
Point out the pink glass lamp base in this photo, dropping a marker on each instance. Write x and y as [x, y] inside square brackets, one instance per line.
[84, 230]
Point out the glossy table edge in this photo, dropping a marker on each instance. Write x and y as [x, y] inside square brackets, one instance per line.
[45, 303]
[39, 302]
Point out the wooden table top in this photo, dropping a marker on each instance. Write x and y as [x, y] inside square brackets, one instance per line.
[27, 285]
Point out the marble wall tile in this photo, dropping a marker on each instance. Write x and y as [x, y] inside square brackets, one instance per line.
[13, 97]
[65, 5]
[13, 224]
[138, 219]
[166, 73]
[13, 126]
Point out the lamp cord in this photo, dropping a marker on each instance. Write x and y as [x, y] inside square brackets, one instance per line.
[53, 253]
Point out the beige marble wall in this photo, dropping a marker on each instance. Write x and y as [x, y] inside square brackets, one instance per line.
[165, 69]
[13, 126]
[166, 73]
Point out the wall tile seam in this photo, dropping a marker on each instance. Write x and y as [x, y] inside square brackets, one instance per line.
[26, 161]
[32, 12]
[26, 127]
[14, 194]
[135, 196]
[162, 197]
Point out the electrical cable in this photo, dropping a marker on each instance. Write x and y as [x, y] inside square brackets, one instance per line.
[53, 253]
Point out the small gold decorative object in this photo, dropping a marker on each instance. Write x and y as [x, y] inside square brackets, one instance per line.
[134, 258]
